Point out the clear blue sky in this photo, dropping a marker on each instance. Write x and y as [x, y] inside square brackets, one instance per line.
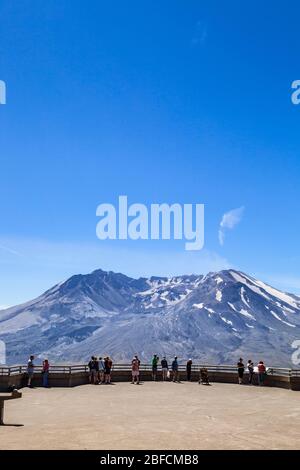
[170, 101]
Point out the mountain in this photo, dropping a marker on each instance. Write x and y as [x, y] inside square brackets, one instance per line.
[213, 319]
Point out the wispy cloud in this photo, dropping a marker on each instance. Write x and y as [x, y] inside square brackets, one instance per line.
[200, 34]
[9, 250]
[229, 220]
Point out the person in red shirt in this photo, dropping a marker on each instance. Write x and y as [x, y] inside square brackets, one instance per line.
[261, 372]
[107, 369]
[135, 368]
[45, 373]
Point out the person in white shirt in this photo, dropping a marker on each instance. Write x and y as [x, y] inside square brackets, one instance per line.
[30, 370]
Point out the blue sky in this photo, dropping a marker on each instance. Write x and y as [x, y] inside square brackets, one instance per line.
[173, 101]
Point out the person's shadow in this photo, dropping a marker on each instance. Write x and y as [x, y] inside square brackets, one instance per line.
[13, 425]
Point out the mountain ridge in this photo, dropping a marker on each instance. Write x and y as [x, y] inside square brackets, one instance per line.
[213, 318]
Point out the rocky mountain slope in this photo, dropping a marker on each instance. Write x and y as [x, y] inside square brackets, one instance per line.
[213, 319]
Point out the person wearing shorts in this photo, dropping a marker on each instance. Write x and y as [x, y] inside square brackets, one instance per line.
[101, 370]
[164, 368]
[154, 366]
[135, 370]
[107, 370]
[30, 370]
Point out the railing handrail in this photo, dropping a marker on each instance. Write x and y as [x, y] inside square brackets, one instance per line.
[73, 368]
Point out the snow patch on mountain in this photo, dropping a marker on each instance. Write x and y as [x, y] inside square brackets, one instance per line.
[243, 297]
[229, 322]
[219, 296]
[210, 310]
[280, 319]
[255, 284]
[247, 314]
[239, 278]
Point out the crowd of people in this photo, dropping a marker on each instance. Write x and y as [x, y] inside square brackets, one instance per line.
[169, 373]
[260, 370]
[100, 370]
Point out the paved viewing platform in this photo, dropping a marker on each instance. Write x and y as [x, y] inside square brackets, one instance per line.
[153, 415]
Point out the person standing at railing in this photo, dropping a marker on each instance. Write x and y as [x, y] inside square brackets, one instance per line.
[101, 371]
[241, 370]
[107, 369]
[250, 367]
[189, 369]
[45, 372]
[261, 373]
[154, 363]
[96, 367]
[30, 370]
[175, 370]
[93, 372]
[164, 368]
[135, 370]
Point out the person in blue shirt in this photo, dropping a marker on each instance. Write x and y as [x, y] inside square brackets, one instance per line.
[175, 370]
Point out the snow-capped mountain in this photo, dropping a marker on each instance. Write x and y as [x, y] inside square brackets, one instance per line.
[214, 319]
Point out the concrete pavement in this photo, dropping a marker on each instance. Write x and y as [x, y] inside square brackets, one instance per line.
[153, 416]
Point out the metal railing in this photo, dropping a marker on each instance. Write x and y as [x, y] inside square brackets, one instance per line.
[54, 369]
[83, 368]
